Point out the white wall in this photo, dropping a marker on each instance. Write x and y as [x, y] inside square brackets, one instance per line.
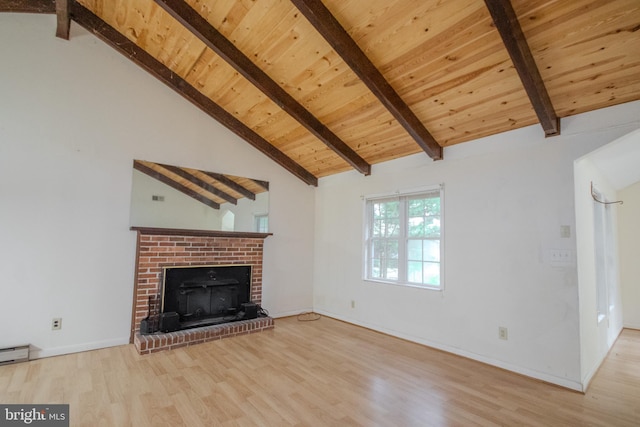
[73, 116]
[629, 249]
[506, 198]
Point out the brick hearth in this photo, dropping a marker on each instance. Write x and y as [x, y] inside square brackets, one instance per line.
[152, 343]
[158, 248]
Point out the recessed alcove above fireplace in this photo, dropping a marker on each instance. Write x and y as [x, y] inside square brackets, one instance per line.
[215, 272]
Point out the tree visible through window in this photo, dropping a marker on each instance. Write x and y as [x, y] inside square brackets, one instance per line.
[403, 241]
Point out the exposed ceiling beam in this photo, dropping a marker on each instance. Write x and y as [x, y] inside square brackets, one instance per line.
[28, 6]
[232, 184]
[263, 184]
[173, 184]
[104, 31]
[201, 28]
[506, 21]
[200, 183]
[64, 21]
[329, 27]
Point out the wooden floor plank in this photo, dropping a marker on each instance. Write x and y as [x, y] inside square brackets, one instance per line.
[314, 374]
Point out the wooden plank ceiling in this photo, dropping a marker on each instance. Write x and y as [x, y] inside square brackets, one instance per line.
[327, 87]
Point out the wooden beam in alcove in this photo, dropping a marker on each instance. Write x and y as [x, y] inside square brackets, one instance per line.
[263, 184]
[199, 26]
[108, 34]
[232, 184]
[28, 6]
[506, 21]
[64, 21]
[59, 7]
[174, 184]
[200, 183]
[329, 27]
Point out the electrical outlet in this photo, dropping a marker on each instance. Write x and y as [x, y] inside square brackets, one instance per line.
[561, 257]
[56, 324]
[503, 333]
[353, 304]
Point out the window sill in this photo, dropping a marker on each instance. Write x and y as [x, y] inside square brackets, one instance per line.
[406, 285]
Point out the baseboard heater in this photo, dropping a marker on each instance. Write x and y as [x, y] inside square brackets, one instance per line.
[14, 354]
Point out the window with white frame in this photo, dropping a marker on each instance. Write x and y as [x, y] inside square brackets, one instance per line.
[403, 238]
[262, 223]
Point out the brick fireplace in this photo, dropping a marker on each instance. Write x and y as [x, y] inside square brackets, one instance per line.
[157, 248]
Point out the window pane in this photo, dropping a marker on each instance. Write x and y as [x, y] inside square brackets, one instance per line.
[377, 228]
[392, 227]
[392, 249]
[386, 228]
[432, 205]
[431, 250]
[376, 248]
[262, 223]
[392, 269]
[384, 259]
[432, 226]
[416, 207]
[375, 269]
[414, 272]
[414, 250]
[423, 250]
[386, 219]
[416, 226]
[424, 217]
[431, 273]
[386, 209]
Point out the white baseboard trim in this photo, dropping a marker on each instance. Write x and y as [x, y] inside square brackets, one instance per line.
[632, 326]
[563, 382]
[586, 380]
[39, 353]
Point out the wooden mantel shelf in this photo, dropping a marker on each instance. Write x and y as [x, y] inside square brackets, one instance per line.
[208, 233]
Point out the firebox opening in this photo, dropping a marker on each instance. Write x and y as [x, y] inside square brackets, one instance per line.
[204, 295]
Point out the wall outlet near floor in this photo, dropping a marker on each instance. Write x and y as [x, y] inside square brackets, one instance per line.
[56, 324]
[353, 304]
[503, 333]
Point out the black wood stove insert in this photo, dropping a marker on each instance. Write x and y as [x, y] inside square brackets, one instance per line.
[204, 295]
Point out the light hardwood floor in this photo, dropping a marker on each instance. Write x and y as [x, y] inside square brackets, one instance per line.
[322, 373]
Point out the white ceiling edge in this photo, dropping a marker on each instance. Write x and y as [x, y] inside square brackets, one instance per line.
[619, 160]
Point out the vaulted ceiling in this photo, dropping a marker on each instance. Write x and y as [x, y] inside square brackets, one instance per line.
[323, 87]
